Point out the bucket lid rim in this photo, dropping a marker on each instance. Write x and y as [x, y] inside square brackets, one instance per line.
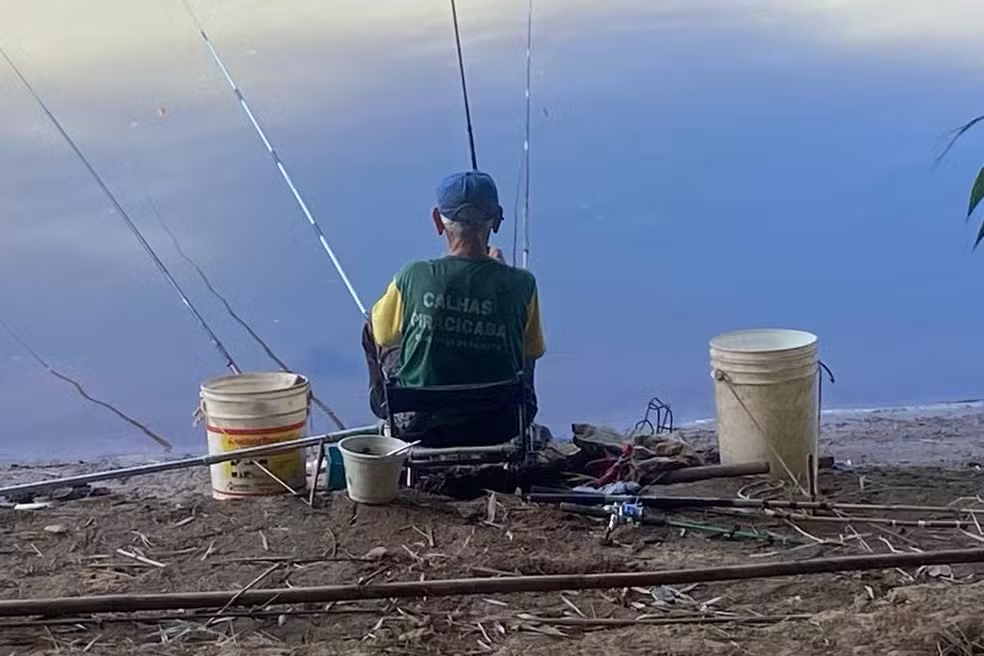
[808, 339]
[341, 445]
[213, 385]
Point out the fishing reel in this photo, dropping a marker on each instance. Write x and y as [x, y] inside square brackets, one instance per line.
[623, 512]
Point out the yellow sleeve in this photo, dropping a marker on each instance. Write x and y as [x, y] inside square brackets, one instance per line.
[534, 345]
[387, 317]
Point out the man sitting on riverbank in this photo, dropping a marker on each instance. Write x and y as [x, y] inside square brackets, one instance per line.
[466, 318]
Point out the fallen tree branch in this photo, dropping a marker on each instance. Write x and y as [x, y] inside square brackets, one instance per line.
[705, 472]
[473, 586]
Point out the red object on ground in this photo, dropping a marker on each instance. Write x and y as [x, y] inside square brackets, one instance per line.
[614, 472]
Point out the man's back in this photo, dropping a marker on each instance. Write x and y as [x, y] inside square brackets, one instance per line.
[460, 321]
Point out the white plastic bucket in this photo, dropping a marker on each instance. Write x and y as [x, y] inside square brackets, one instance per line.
[765, 390]
[370, 476]
[255, 409]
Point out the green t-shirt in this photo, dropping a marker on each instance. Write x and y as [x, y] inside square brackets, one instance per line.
[460, 321]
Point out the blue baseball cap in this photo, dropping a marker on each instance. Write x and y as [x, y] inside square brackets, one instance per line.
[469, 198]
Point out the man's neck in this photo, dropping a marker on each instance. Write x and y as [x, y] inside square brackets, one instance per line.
[471, 250]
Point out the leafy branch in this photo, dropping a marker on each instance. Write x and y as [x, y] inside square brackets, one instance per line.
[977, 191]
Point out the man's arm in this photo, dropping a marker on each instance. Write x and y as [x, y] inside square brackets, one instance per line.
[387, 317]
[534, 345]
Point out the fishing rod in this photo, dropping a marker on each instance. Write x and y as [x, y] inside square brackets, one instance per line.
[230, 363]
[677, 503]
[464, 86]
[185, 463]
[524, 169]
[276, 159]
[516, 228]
[526, 139]
[232, 313]
[81, 390]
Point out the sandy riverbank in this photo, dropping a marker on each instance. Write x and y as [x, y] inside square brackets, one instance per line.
[143, 538]
[950, 436]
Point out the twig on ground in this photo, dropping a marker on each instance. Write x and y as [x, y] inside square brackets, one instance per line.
[488, 571]
[143, 538]
[291, 559]
[139, 558]
[809, 536]
[428, 535]
[249, 586]
[333, 552]
[894, 534]
[413, 554]
[279, 480]
[369, 577]
[571, 604]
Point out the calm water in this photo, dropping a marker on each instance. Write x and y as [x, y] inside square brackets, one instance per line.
[698, 166]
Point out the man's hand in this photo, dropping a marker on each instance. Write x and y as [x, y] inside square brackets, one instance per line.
[496, 254]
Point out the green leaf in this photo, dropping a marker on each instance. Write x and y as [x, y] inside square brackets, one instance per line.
[976, 194]
[959, 132]
[980, 236]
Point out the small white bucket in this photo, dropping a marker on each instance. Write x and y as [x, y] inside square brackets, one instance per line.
[370, 477]
[765, 388]
[255, 409]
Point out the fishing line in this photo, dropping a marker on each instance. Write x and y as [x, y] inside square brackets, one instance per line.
[81, 390]
[276, 159]
[464, 86]
[526, 139]
[232, 313]
[216, 342]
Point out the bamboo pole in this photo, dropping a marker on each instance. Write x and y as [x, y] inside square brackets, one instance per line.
[672, 502]
[603, 622]
[854, 519]
[157, 618]
[197, 461]
[118, 603]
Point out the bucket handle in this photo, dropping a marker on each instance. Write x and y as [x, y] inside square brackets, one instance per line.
[723, 376]
[199, 414]
[822, 369]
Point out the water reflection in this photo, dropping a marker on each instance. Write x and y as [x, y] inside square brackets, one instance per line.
[697, 167]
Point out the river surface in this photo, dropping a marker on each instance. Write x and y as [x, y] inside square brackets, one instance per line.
[697, 166]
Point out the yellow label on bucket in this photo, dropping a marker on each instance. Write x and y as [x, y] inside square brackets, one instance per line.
[247, 476]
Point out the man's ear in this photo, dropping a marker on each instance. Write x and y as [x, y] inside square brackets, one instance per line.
[438, 222]
[498, 222]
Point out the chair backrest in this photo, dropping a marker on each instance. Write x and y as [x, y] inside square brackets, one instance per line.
[433, 399]
[461, 400]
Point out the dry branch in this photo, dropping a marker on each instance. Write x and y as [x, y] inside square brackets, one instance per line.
[474, 586]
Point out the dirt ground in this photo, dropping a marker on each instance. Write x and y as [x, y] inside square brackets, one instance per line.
[164, 535]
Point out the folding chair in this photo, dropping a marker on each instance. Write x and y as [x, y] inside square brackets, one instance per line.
[461, 401]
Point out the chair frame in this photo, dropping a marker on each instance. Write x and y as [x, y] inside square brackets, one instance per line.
[430, 399]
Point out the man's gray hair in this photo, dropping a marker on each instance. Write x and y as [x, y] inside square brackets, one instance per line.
[459, 229]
